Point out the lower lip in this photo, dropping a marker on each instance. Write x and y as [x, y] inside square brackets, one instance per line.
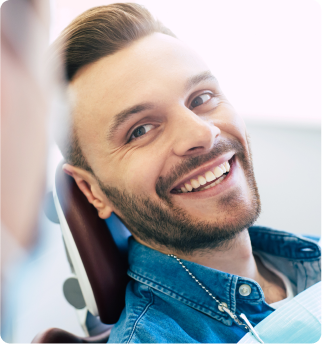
[226, 184]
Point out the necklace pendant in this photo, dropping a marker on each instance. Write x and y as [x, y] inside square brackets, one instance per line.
[224, 308]
[251, 328]
[248, 325]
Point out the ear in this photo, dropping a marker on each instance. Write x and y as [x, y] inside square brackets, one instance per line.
[88, 184]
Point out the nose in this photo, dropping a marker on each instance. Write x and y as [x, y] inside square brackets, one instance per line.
[194, 134]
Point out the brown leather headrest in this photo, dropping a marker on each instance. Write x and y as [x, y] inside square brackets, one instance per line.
[104, 263]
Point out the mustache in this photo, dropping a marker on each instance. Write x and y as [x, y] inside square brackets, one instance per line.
[164, 183]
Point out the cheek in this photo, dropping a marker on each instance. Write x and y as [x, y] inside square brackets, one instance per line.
[140, 173]
[147, 173]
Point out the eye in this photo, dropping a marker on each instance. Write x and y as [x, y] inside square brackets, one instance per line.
[141, 130]
[200, 100]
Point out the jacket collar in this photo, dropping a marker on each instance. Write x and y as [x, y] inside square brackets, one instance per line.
[283, 244]
[166, 275]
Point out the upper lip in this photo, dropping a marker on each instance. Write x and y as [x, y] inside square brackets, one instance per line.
[201, 170]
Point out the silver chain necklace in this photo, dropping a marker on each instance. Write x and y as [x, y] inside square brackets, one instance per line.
[222, 306]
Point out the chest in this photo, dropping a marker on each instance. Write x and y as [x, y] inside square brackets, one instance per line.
[273, 292]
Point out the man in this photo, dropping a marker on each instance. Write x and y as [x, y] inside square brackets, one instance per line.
[154, 140]
[25, 98]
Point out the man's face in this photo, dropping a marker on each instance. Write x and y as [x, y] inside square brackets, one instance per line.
[153, 123]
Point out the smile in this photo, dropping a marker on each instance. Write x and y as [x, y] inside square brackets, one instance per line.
[204, 181]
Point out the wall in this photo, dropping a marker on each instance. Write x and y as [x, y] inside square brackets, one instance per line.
[287, 164]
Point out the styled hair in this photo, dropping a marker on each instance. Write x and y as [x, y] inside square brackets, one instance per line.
[98, 32]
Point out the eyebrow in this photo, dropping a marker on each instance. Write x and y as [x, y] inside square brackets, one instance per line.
[195, 80]
[126, 114]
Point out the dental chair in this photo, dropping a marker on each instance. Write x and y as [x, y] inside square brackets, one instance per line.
[97, 254]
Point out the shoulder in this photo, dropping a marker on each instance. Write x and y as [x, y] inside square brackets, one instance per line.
[139, 299]
[145, 319]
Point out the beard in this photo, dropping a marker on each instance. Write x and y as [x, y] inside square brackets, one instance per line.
[163, 224]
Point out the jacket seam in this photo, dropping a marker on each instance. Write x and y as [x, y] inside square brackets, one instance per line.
[140, 316]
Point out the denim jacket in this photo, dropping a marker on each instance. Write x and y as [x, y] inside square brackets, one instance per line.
[165, 305]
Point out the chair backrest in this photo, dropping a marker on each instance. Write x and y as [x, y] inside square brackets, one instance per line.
[56, 335]
[99, 264]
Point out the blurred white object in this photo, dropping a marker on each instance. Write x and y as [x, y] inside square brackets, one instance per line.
[24, 115]
[298, 321]
[24, 118]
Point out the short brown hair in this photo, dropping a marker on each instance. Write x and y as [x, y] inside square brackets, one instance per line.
[96, 33]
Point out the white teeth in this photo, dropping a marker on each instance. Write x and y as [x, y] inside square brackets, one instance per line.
[194, 183]
[188, 186]
[218, 172]
[219, 180]
[208, 186]
[210, 176]
[223, 168]
[202, 180]
[217, 175]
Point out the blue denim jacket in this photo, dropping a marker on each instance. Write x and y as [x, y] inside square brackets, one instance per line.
[165, 305]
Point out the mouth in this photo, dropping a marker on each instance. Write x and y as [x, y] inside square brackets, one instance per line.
[204, 180]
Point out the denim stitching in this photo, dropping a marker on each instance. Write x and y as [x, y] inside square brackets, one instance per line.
[140, 317]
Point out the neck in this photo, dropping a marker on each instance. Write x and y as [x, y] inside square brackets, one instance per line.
[235, 257]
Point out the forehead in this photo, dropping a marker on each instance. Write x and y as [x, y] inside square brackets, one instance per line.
[154, 66]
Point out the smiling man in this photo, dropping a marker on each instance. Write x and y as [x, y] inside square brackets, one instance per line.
[154, 140]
